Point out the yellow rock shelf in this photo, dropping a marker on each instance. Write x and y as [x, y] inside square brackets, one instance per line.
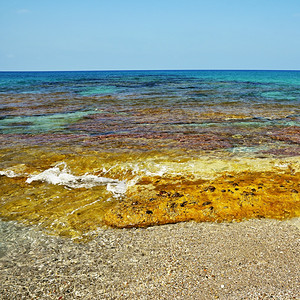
[161, 188]
[152, 201]
[231, 197]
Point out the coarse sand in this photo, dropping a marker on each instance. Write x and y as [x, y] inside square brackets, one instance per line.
[255, 259]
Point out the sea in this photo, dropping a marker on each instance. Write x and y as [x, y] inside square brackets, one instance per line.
[82, 150]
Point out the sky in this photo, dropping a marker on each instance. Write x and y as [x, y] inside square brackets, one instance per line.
[53, 35]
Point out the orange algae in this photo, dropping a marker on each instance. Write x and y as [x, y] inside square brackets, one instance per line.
[153, 201]
[191, 188]
[231, 197]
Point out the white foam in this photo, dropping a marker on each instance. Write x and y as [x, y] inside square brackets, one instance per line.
[281, 165]
[161, 170]
[61, 175]
[9, 173]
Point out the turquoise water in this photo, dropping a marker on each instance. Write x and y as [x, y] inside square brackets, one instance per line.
[38, 124]
[111, 81]
[164, 106]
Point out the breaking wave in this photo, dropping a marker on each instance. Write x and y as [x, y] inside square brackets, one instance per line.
[60, 174]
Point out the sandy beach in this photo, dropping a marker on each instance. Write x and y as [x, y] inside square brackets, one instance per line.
[256, 259]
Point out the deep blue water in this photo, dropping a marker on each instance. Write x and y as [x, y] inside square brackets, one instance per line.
[275, 85]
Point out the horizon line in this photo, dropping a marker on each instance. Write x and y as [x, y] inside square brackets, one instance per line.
[127, 70]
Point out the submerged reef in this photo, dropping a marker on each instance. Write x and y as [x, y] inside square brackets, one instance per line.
[230, 197]
[80, 150]
[82, 192]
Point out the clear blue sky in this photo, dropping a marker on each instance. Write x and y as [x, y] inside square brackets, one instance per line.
[156, 34]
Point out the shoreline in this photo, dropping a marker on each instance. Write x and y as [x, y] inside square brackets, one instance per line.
[72, 195]
[254, 259]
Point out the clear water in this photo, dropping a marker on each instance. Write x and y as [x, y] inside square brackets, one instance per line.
[190, 91]
[136, 128]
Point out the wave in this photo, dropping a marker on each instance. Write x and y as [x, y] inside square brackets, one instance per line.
[60, 174]
[9, 173]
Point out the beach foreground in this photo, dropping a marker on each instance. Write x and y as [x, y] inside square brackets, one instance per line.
[255, 259]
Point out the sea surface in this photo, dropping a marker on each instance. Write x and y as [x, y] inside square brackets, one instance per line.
[83, 150]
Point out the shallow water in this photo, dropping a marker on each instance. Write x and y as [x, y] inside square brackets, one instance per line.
[81, 150]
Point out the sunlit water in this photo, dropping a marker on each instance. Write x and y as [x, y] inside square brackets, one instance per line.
[81, 150]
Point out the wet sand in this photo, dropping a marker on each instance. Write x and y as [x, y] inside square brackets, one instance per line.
[256, 259]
